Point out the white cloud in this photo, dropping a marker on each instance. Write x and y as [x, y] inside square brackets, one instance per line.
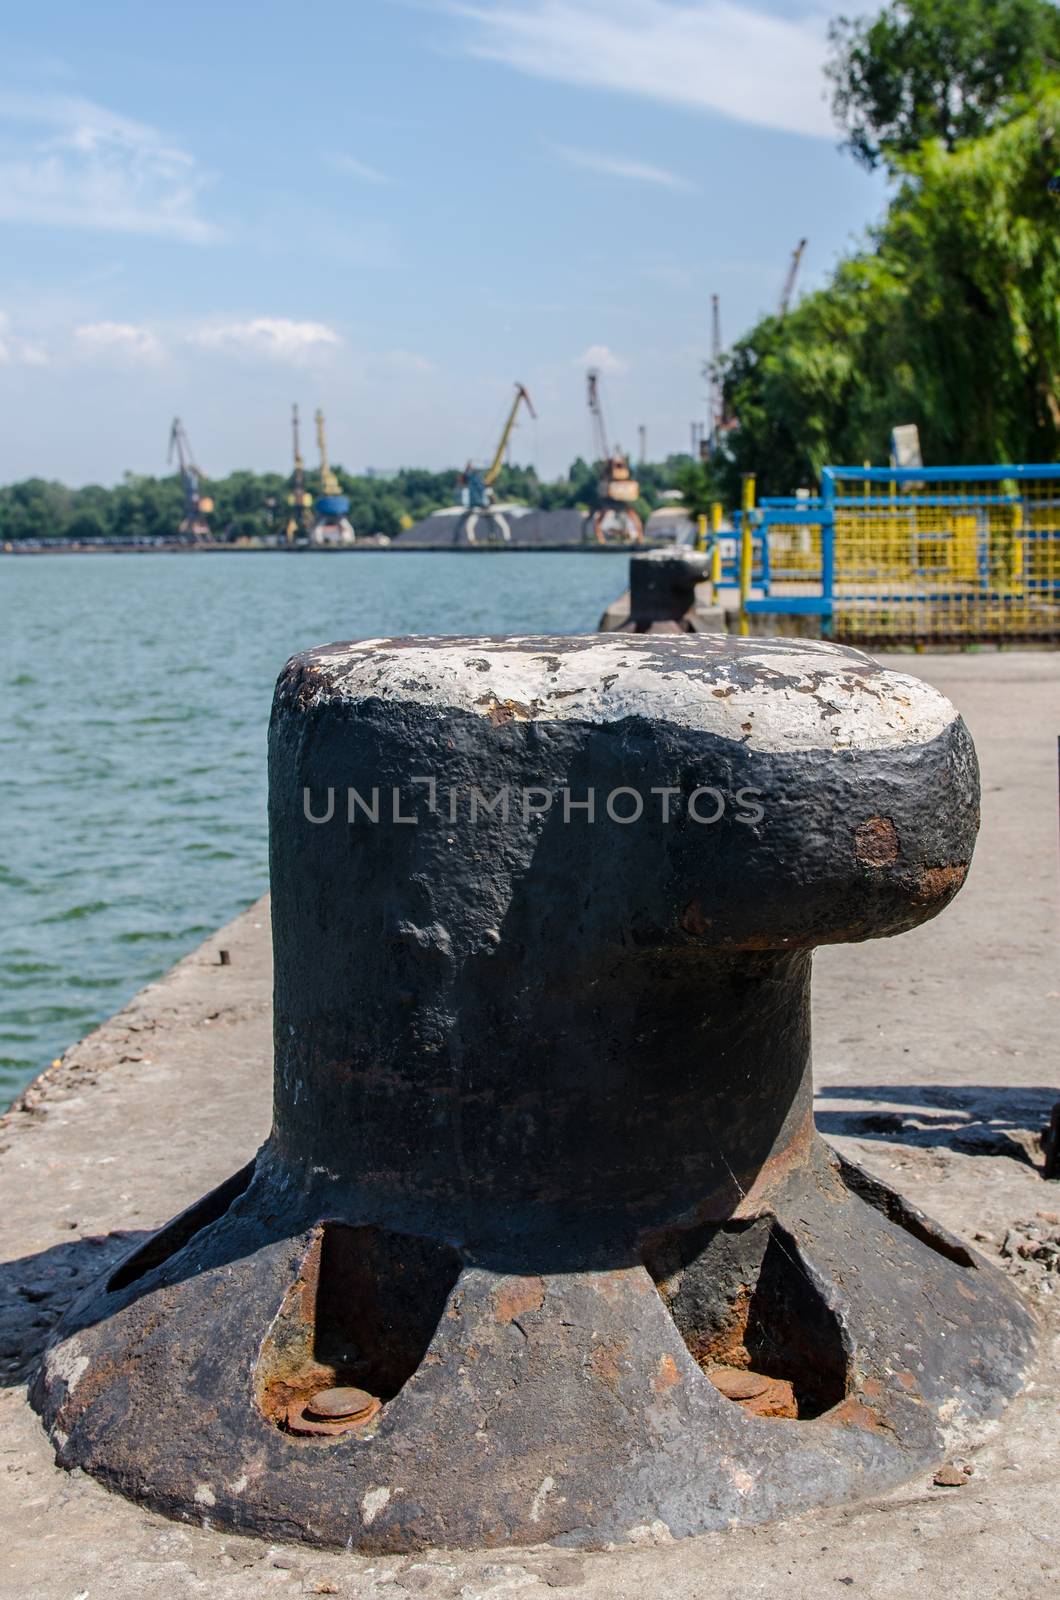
[15, 351]
[65, 162]
[617, 167]
[354, 168]
[276, 338]
[604, 359]
[709, 55]
[126, 341]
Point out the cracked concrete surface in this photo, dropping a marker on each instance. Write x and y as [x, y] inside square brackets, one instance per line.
[935, 1062]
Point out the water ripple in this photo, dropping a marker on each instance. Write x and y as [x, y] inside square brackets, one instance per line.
[132, 766]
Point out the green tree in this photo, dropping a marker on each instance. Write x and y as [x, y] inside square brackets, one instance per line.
[952, 322]
[84, 526]
[700, 486]
[248, 504]
[936, 69]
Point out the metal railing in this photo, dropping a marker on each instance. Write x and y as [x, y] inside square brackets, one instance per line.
[910, 555]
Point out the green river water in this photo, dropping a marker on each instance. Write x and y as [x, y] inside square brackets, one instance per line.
[133, 714]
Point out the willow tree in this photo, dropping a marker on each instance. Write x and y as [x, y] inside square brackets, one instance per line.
[952, 321]
[976, 237]
[936, 69]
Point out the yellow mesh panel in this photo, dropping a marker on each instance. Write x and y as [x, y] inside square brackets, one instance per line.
[938, 562]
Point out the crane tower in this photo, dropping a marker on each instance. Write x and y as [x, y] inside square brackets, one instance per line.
[789, 281]
[333, 525]
[197, 505]
[299, 500]
[477, 483]
[614, 519]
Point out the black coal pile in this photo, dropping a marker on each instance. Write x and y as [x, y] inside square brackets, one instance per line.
[519, 527]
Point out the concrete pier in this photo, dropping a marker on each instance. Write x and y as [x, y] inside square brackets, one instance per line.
[935, 1061]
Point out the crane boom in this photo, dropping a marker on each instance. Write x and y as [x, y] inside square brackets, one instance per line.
[299, 498]
[329, 484]
[789, 282]
[180, 446]
[596, 410]
[299, 464]
[716, 398]
[615, 517]
[197, 505]
[492, 472]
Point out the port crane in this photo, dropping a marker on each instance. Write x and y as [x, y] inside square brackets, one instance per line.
[718, 421]
[333, 525]
[789, 282]
[299, 501]
[477, 482]
[197, 506]
[615, 519]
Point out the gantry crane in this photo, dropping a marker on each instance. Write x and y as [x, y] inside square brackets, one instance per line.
[789, 282]
[614, 519]
[299, 501]
[333, 525]
[713, 373]
[720, 420]
[197, 506]
[477, 483]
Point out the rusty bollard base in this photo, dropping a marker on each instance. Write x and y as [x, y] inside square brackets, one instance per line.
[543, 1245]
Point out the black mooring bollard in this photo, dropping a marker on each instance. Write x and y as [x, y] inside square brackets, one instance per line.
[543, 1244]
[664, 595]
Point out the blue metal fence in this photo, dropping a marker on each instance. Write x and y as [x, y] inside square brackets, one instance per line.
[910, 554]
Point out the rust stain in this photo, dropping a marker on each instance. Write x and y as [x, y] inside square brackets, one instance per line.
[667, 1375]
[516, 1296]
[852, 1413]
[623, 1281]
[876, 842]
[286, 1371]
[778, 1168]
[498, 712]
[606, 1363]
[304, 1290]
[724, 1346]
[693, 920]
[937, 883]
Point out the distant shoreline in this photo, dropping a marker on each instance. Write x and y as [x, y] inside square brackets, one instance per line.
[361, 547]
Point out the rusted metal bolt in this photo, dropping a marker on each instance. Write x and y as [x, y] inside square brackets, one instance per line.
[543, 1169]
[342, 1405]
[331, 1412]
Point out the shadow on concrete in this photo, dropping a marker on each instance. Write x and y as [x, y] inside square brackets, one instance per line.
[973, 1119]
[36, 1291]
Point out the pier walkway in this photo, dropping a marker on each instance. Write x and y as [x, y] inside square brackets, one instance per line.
[935, 1063]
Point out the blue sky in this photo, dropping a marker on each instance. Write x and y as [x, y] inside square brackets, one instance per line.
[395, 210]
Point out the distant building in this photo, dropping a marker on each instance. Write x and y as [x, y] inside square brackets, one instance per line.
[671, 522]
